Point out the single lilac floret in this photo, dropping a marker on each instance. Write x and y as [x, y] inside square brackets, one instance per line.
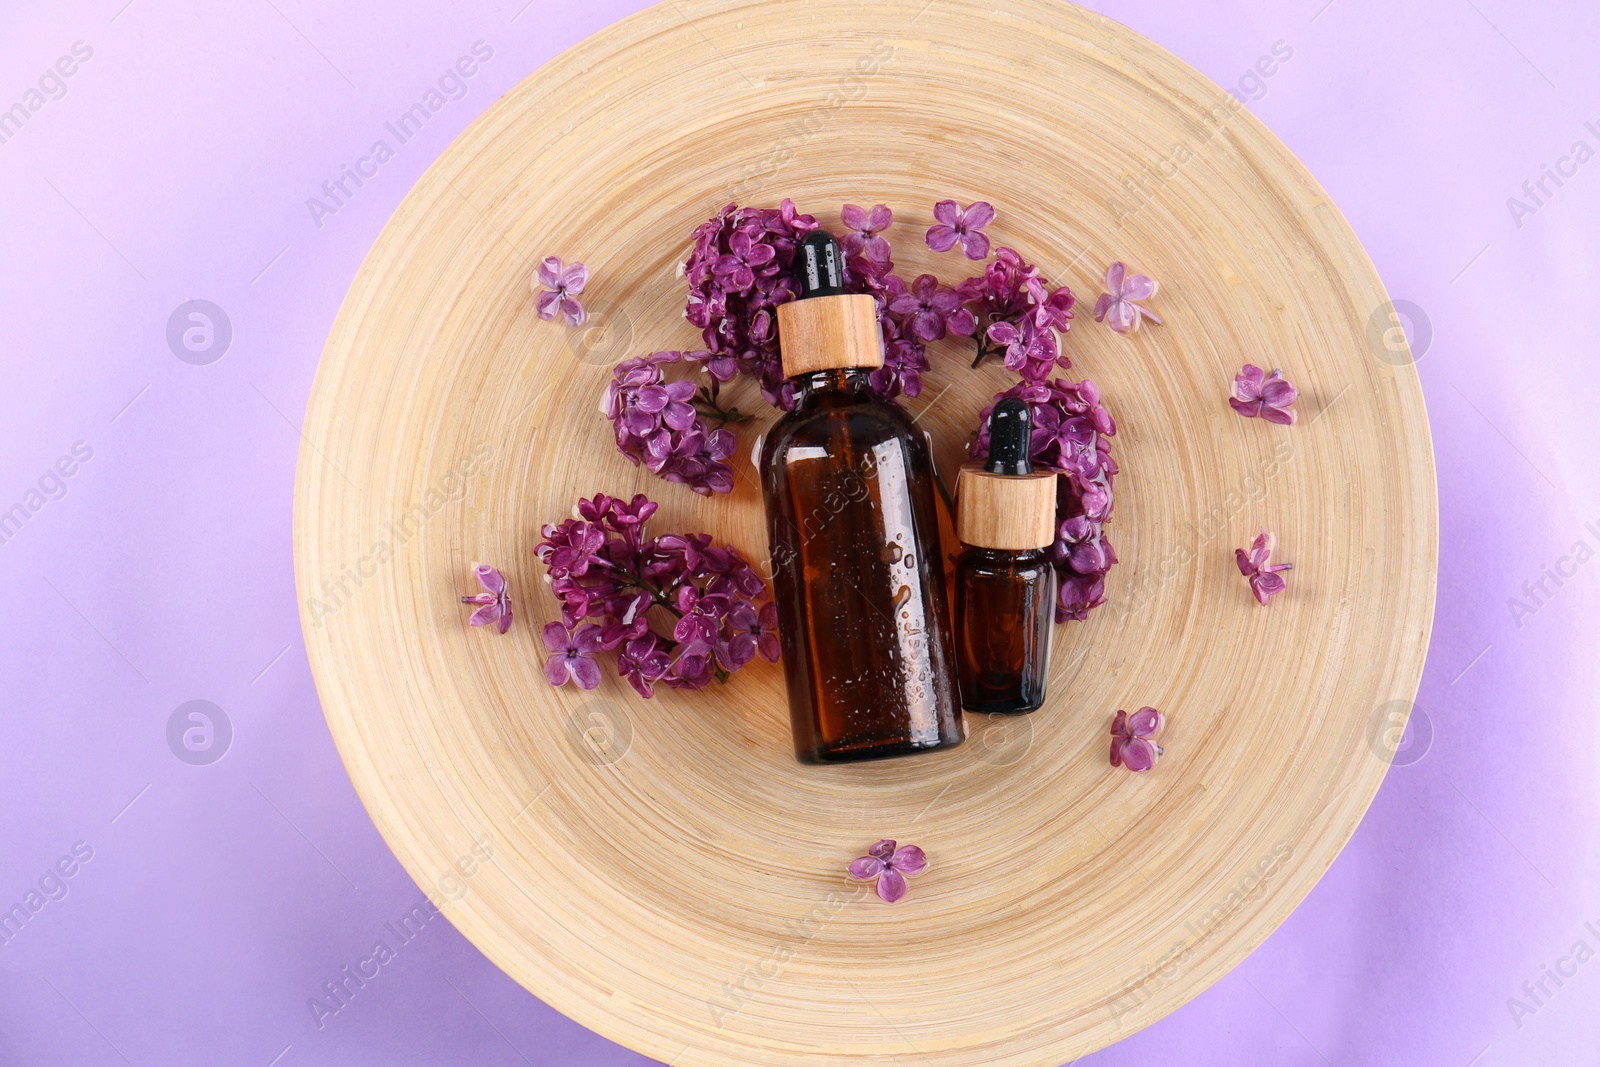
[558, 287]
[494, 602]
[1257, 394]
[1132, 739]
[1117, 308]
[572, 654]
[1257, 565]
[963, 226]
[863, 229]
[890, 866]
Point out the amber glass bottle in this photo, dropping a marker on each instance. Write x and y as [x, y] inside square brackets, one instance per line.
[1005, 584]
[851, 516]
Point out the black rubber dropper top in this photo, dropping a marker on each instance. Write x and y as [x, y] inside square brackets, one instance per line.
[818, 266]
[1010, 438]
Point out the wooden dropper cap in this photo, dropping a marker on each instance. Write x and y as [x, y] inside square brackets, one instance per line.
[824, 327]
[1004, 503]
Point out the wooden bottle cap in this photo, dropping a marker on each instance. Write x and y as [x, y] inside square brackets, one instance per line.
[829, 332]
[1010, 512]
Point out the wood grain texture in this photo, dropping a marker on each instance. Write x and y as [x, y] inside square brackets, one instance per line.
[1011, 512]
[664, 872]
[829, 333]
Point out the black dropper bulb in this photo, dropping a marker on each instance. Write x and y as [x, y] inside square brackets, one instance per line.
[819, 266]
[1010, 438]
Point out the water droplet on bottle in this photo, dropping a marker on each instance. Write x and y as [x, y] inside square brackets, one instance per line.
[902, 595]
[891, 552]
[910, 560]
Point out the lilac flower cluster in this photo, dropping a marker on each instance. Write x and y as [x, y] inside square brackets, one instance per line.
[658, 424]
[602, 566]
[739, 272]
[1257, 566]
[1021, 315]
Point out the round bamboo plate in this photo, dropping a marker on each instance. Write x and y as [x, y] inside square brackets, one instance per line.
[665, 872]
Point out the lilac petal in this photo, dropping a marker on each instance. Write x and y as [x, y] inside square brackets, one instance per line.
[546, 303]
[587, 639]
[1151, 315]
[651, 398]
[485, 615]
[1139, 754]
[490, 578]
[853, 217]
[948, 212]
[1117, 744]
[1267, 584]
[1278, 392]
[572, 311]
[941, 238]
[574, 278]
[891, 885]
[883, 849]
[1144, 722]
[928, 326]
[978, 215]
[1119, 725]
[556, 671]
[585, 671]
[556, 638]
[909, 859]
[879, 217]
[1248, 408]
[736, 651]
[975, 245]
[550, 272]
[1122, 317]
[904, 304]
[505, 620]
[678, 415]
[1246, 568]
[1261, 550]
[640, 422]
[1102, 305]
[1003, 333]
[866, 867]
[1281, 416]
[1247, 384]
[1114, 274]
[1139, 287]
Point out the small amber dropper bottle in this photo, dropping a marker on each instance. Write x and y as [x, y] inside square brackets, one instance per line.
[853, 523]
[1005, 584]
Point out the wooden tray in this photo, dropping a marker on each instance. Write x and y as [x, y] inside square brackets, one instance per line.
[665, 872]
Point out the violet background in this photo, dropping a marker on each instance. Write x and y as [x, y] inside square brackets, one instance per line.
[220, 898]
